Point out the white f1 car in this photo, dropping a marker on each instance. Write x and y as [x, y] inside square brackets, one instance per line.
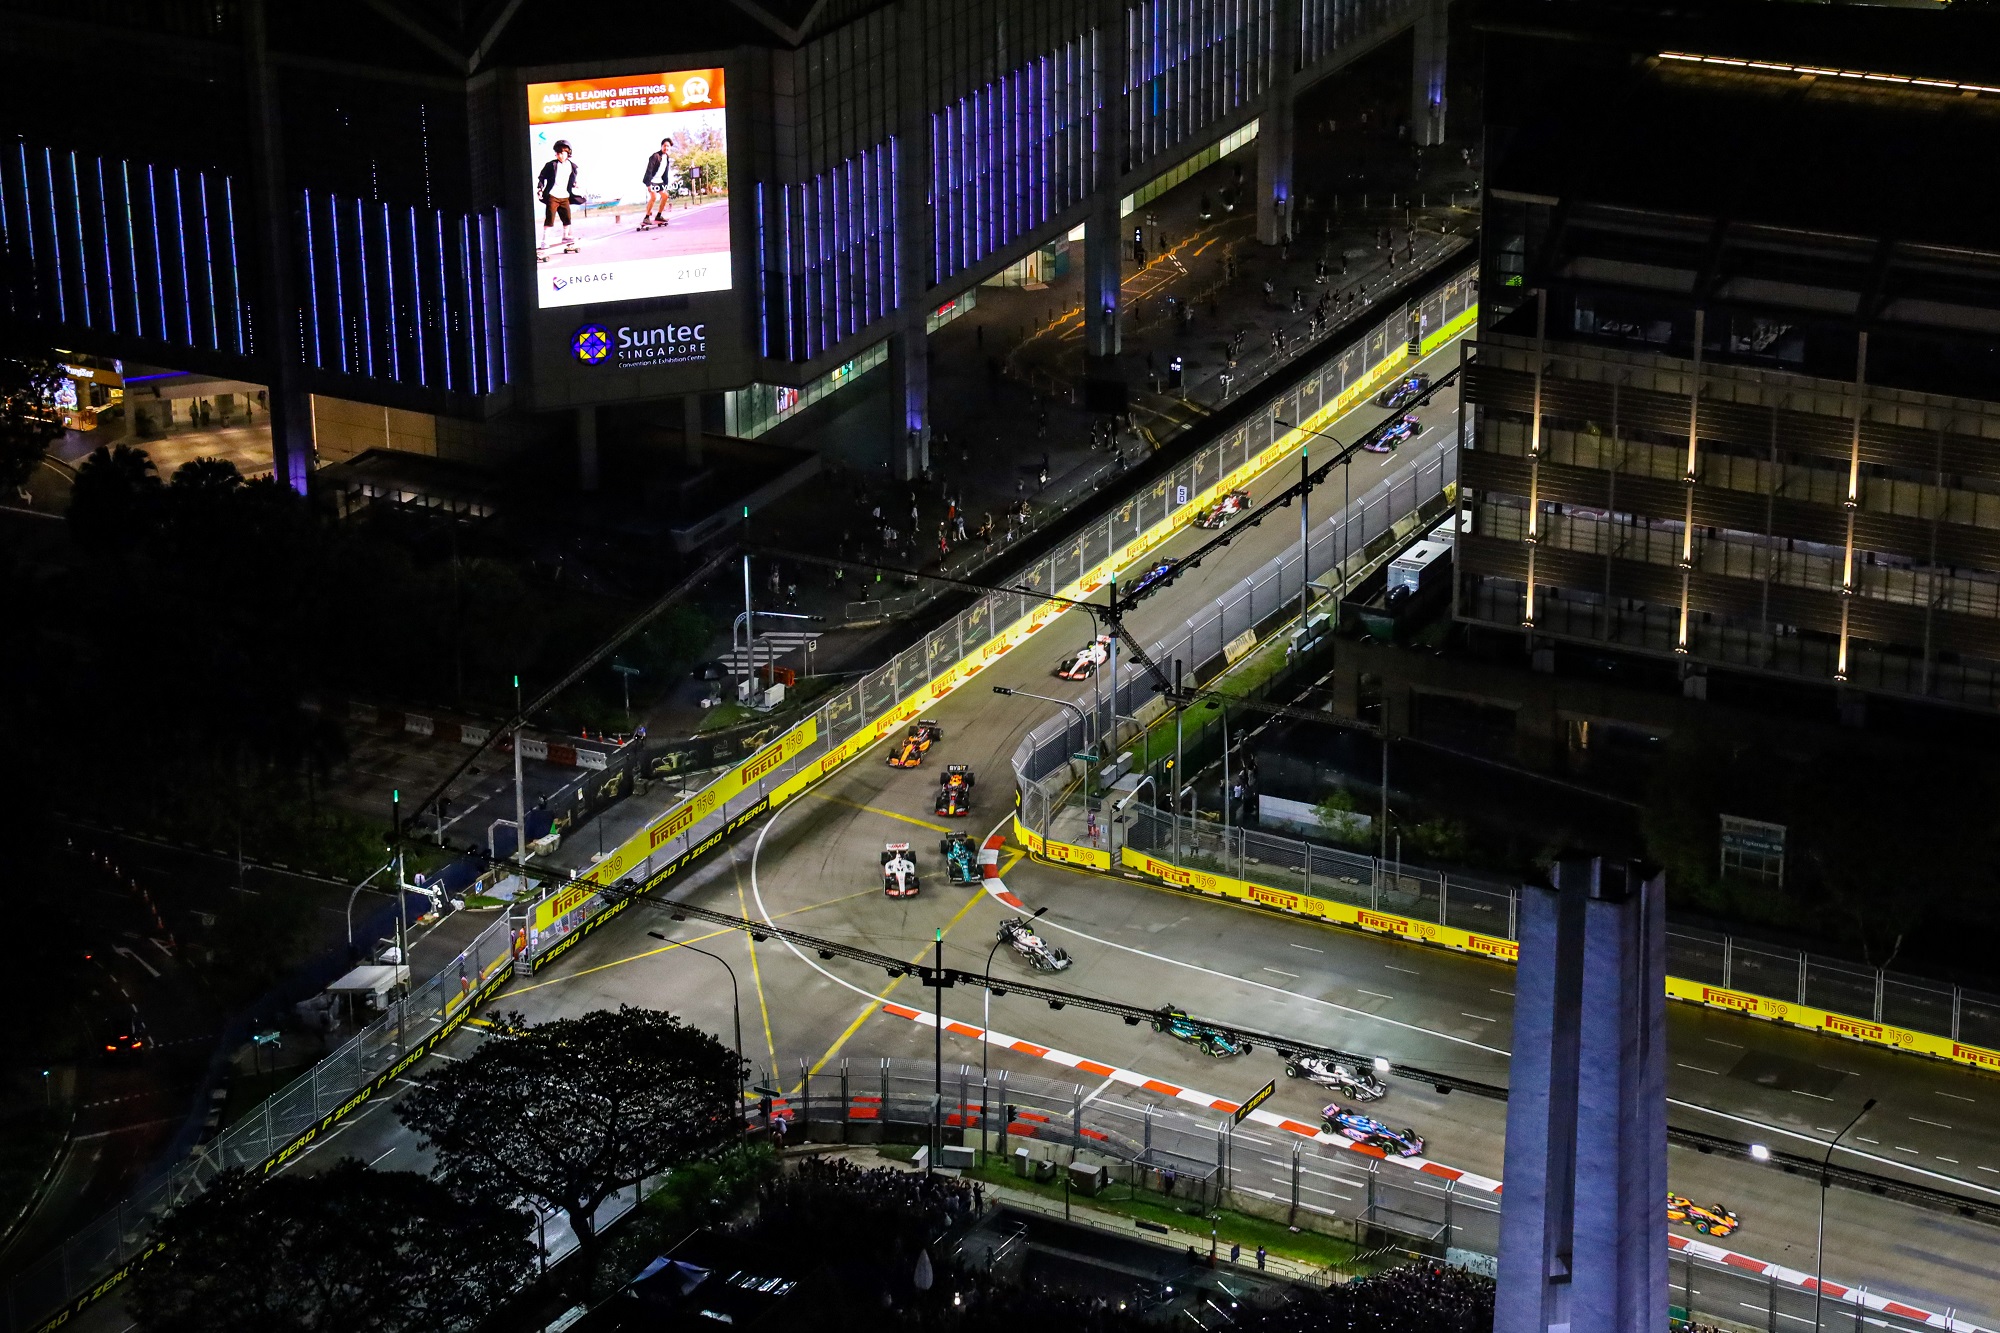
[1031, 948]
[1357, 1081]
[1087, 659]
[899, 871]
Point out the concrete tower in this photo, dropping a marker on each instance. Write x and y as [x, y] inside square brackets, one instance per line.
[1583, 1224]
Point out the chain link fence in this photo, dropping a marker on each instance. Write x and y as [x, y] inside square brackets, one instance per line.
[1161, 1153]
[1873, 994]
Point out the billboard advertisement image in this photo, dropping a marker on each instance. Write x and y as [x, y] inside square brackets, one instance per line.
[631, 187]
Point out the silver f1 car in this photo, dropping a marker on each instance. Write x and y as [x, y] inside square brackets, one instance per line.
[899, 871]
[1031, 948]
[1356, 1081]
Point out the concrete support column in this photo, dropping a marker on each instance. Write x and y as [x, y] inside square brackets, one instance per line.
[290, 404]
[1103, 279]
[1583, 1239]
[1103, 289]
[1275, 130]
[1427, 73]
[586, 448]
[910, 370]
[691, 430]
[909, 444]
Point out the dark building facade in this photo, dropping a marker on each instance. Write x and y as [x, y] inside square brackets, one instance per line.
[1737, 383]
[340, 198]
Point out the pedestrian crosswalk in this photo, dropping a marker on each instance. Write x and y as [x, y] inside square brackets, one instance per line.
[769, 649]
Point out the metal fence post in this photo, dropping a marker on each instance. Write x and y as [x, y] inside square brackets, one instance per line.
[846, 1102]
[1957, 996]
[1444, 891]
[1771, 1283]
[964, 1072]
[984, 1126]
[1293, 1216]
[805, 1102]
[1449, 1191]
[1221, 1159]
[1803, 955]
[1146, 1141]
[1728, 958]
[1877, 1015]
[884, 1112]
[1076, 1110]
[1373, 1170]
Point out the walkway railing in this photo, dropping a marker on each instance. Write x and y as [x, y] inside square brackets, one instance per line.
[87, 1265]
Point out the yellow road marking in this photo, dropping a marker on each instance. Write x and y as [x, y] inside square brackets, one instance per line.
[620, 962]
[868, 1010]
[756, 972]
[726, 930]
[886, 814]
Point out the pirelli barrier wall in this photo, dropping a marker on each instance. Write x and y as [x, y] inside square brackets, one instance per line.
[896, 694]
[97, 1259]
[1819, 994]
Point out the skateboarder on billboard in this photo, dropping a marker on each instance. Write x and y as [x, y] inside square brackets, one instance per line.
[556, 186]
[659, 171]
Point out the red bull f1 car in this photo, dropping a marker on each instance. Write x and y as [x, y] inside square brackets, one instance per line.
[955, 790]
[910, 751]
[899, 871]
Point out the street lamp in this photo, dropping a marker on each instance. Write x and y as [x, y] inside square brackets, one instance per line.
[1048, 815]
[1081, 720]
[1819, 1244]
[987, 1023]
[357, 890]
[736, 1009]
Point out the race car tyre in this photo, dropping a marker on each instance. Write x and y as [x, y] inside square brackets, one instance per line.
[1291, 1071]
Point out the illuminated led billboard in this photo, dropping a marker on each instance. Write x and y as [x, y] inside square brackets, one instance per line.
[631, 187]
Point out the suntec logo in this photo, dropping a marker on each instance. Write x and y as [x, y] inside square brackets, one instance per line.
[590, 344]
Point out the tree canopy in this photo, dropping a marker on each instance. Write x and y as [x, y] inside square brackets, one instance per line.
[348, 1250]
[566, 1113]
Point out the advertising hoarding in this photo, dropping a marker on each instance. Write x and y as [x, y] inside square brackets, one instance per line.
[631, 191]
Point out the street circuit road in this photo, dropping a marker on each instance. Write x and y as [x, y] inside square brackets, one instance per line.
[814, 866]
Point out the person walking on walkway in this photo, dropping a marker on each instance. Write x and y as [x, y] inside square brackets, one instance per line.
[1260, 1258]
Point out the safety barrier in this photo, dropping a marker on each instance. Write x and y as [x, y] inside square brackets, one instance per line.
[1323, 1185]
[1344, 888]
[864, 714]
